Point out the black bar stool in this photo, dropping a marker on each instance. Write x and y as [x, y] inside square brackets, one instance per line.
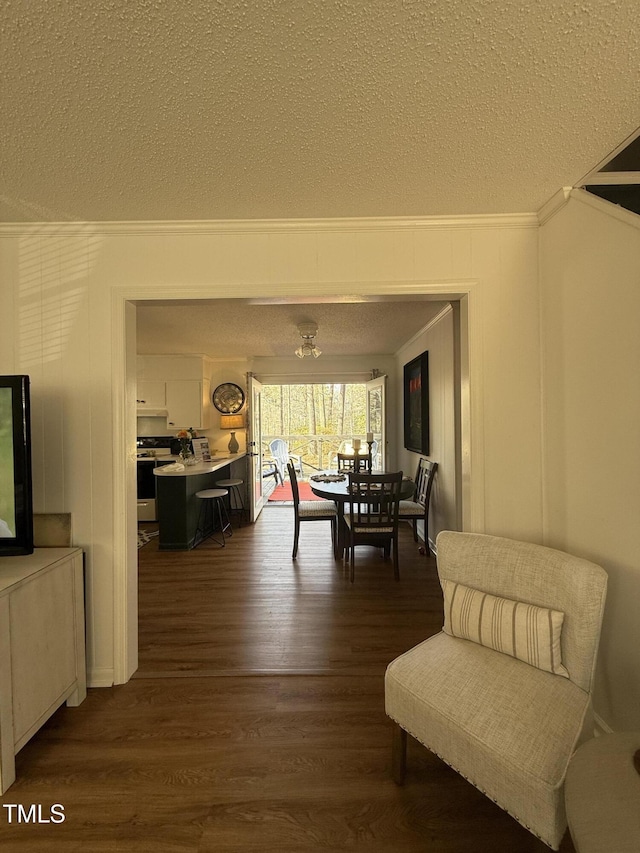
[209, 497]
[236, 500]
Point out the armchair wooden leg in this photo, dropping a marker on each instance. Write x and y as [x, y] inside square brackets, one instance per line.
[399, 754]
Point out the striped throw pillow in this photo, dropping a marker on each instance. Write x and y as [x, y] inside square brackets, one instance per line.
[524, 631]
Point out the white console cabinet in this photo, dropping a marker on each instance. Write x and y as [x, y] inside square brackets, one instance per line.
[42, 645]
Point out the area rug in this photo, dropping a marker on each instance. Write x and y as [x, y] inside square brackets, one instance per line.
[283, 493]
[145, 536]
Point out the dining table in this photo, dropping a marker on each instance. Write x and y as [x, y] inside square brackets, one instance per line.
[334, 486]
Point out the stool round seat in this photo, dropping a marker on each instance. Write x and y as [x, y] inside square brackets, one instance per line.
[212, 504]
[212, 493]
[236, 501]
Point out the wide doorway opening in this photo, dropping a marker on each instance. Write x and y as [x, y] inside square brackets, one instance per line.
[126, 615]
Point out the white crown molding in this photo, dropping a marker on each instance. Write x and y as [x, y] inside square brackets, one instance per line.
[555, 203]
[268, 226]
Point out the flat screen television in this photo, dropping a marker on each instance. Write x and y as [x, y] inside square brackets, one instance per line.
[16, 502]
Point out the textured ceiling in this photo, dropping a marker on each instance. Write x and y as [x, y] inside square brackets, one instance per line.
[237, 328]
[239, 109]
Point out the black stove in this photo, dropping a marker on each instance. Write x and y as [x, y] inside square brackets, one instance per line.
[152, 450]
[161, 443]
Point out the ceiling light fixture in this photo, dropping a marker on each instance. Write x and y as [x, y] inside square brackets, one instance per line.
[308, 331]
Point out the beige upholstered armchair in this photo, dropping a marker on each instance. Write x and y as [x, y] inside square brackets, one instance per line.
[503, 693]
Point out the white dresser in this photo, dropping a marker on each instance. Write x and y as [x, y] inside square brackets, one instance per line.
[42, 645]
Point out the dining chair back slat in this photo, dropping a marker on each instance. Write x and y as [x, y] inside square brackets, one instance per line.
[417, 509]
[354, 462]
[424, 480]
[374, 501]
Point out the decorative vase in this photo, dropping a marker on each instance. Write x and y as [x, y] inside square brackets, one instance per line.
[234, 447]
[187, 457]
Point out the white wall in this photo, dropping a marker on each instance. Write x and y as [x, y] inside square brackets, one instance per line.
[67, 288]
[590, 291]
[56, 327]
[438, 338]
[226, 371]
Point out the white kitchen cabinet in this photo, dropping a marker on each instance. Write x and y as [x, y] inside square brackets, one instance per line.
[175, 386]
[42, 650]
[184, 404]
[151, 394]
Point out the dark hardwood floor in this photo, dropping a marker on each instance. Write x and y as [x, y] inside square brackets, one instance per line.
[256, 719]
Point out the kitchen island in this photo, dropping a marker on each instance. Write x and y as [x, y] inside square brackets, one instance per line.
[177, 504]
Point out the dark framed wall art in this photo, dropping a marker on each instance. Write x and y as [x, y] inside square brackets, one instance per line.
[416, 404]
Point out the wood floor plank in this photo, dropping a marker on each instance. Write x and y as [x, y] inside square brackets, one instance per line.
[220, 744]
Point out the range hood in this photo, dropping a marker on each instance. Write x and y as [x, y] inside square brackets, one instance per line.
[147, 412]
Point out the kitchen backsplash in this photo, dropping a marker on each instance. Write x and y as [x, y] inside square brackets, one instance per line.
[153, 426]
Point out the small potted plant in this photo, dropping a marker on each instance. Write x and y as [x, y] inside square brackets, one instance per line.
[186, 448]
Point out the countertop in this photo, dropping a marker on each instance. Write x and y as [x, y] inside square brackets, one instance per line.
[199, 468]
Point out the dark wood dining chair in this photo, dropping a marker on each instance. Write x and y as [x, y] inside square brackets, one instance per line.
[374, 501]
[311, 511]
[354, 462]
[417, 509]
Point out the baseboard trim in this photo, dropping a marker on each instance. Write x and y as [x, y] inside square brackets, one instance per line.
[102, 677]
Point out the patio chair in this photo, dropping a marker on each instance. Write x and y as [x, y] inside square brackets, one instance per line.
[280, 454]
